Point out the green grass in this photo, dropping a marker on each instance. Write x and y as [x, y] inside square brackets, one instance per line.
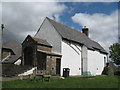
[71, 82]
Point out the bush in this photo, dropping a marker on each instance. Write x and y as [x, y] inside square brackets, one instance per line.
[117, 71]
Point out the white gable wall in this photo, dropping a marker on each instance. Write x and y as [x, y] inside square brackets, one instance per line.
[96, 62]
[48, 32]
[71, 58]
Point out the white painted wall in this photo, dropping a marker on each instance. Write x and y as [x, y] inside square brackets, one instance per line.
[71, 58]
[18, 62]
[96, 62]
[28, 72]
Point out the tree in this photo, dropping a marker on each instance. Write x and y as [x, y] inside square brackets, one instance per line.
[115, 53]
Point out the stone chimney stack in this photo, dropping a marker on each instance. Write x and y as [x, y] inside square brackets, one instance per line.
[85, 31]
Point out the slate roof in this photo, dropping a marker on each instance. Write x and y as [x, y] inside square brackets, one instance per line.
[16, 47]
[41, 41]
[76, 36]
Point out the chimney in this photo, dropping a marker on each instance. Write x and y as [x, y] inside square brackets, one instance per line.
[85, 31]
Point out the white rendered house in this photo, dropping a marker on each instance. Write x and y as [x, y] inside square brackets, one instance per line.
[79, 53]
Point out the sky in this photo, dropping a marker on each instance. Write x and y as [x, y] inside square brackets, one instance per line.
[23, 18]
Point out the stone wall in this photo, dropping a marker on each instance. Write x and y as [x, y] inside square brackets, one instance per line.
[50, 66]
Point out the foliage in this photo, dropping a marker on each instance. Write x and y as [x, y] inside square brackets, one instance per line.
[70, 82]
[117, 70]
[115, 53]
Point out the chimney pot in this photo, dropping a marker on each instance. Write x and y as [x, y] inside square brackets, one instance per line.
[85, 30]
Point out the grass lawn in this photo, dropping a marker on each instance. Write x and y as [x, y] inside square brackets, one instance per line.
[70, 82]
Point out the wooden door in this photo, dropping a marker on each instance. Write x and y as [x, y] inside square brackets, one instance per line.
[58, 66]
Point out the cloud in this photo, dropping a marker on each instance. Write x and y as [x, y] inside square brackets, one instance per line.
[103, 28]
[60, 0]
[21, 19]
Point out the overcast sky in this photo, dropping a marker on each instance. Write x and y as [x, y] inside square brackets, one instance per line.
[21, 19]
